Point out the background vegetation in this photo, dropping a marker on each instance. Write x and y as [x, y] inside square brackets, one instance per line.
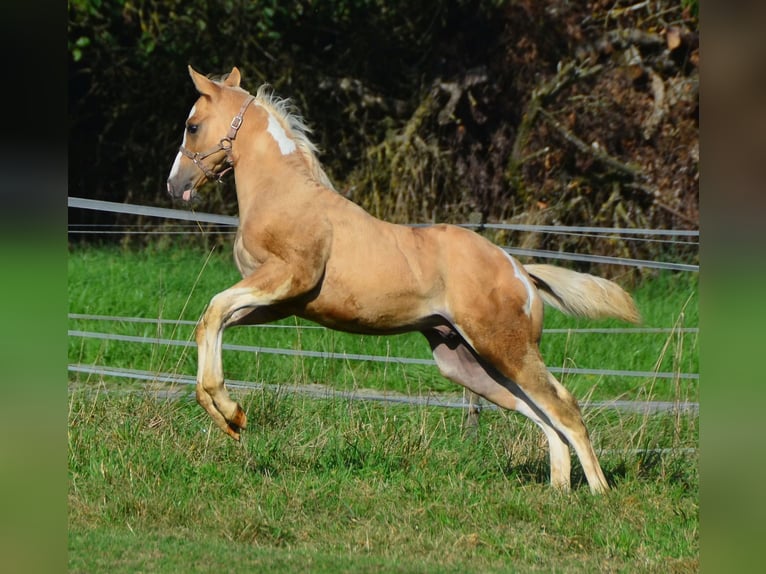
[548, 112]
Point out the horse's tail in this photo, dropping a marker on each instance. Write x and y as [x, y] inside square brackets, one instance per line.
[581, 294]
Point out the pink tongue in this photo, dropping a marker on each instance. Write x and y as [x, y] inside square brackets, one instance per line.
[187, 195]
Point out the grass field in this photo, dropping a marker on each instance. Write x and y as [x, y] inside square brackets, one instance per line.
[344, 486]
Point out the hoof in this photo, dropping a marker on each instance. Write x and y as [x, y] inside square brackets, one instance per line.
[239, 419]
[232, 431]
[236, 423]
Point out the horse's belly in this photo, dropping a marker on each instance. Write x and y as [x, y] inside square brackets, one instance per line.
[367, 313]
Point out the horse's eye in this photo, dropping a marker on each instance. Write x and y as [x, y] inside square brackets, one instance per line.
[192, 128]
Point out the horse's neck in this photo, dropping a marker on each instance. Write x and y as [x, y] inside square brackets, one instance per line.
[280, 184]
[270, 183]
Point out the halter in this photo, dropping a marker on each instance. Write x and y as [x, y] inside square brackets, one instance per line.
[223, 145]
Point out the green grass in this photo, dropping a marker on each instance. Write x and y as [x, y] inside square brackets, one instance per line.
[339, 486]
[177, 283]
[334, 485]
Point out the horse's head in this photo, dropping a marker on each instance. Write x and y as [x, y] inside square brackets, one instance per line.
[210, 129]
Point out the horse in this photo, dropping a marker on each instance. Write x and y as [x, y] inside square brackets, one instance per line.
[305, 250]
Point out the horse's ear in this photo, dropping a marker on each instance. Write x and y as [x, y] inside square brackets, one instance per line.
[233, 78]
[204, 86]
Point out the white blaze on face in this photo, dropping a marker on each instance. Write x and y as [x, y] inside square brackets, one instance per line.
[525, 280]
[177, 161]
[286, 145]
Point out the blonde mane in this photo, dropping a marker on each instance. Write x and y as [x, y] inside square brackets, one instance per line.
[283, 110]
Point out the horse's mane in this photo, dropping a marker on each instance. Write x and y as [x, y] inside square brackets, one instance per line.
[284, 110]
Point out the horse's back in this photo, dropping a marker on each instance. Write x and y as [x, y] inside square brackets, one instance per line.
[379, 277]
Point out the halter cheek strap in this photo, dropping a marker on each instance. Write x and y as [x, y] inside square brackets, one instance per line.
[223, 145]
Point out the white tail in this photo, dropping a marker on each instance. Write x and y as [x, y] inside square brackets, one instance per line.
[581, 294]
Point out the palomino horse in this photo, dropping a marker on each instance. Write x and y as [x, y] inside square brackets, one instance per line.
[303, 249]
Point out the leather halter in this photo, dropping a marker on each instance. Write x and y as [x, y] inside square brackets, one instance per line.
[223, 145]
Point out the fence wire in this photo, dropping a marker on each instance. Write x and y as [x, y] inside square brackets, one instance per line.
[362, 357]
[681, 237]
[585, 231]
[323, 392]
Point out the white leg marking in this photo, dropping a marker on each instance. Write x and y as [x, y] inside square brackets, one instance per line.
[523, 278]
[238, 298]
[234, 299]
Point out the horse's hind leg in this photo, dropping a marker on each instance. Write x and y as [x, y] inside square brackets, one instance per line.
[556, 404]
[459, 363]
[471, 423]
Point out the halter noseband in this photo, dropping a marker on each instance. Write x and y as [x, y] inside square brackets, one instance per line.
[223, 145]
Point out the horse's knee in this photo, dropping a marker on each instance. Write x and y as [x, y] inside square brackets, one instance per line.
[200, 331]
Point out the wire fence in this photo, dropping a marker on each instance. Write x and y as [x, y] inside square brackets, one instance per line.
[603, 331]
[685, 237]
[324, 392]
[361, 357]
[195, 218]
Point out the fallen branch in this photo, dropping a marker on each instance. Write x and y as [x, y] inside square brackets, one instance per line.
[566, 75]
[592, 150]
[616, 165]
[658, 109]
[456, 91]
[655, 195]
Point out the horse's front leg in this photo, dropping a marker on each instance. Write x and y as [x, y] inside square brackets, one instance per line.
[249, 298]
[211, 392]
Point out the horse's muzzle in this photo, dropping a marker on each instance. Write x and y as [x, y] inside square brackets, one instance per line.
[186, 192]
